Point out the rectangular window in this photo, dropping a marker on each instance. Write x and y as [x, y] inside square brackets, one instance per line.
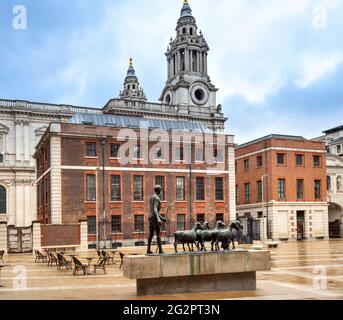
[237, 195]
[281, 159]
[220, 217]
[299, 160]
[339, 149]
[201, 218]
[317, 189]
[259, 191]
[115, 188]
[247, 192]
[246, 165]
[218, 155]
[159, 181]
[3, 199]
[137, 152]
[219, 189]
[114, 150]
[181, 222]
[139, 223]
[199, 154]
[281, 188]
[91, 187]
[180, 189]
[91, 149]
[138, 192]
[200, 188]
[116, 224]
[300, 189]
[317, 161]
[91, 225]
[179, 154]
[259, 161]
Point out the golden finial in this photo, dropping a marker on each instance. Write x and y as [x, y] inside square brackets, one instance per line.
[185, 1]
[131, 63]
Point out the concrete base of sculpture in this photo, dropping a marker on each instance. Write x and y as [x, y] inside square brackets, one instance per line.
[196, 272]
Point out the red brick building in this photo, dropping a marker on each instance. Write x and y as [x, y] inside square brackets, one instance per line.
[82, 175]
[283, 178]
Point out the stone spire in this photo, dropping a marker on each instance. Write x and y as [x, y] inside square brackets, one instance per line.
[188, 82]
[132, 89]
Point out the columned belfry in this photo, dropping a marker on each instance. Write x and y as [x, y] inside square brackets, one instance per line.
[188, 82]
[132, 89]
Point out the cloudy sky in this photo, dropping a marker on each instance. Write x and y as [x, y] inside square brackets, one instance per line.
[278, 64]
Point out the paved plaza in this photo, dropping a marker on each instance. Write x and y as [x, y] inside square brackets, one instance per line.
[300, 270]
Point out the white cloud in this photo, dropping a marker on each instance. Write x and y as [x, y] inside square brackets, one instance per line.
[314, 67]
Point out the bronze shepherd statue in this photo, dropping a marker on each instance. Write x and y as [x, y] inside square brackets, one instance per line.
[155, 220]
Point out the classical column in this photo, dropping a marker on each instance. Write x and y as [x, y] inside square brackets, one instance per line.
[83, 236]
[205, 62]
[187, 60]
[18, 140]
[26, 137]
[232, 179]
[55, 180]
[198, 61]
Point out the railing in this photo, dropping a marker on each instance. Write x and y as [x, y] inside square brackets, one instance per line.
[48, 107]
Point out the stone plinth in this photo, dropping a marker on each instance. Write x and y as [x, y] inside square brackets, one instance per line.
[196, 272]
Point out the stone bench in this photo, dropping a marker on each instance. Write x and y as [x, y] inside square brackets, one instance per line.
[196, 272]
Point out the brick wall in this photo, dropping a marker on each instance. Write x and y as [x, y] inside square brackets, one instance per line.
[60, 235]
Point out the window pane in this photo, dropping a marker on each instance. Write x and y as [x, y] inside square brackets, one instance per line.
[219, 217]
[199, 154]
[281, 158]
[3, 208]
[137, 152]
[299, 159]
[180, 189]
[160, 182]
[139, 223]
[246, 165]
[181, 222]
[116, 224]
[259, 191]
[91, 149]
[91, 187]
[91, 224]
[115, 188]
[281, 188]
[138, 194]
[201, 218]
[300, 189]
[114, 150]
[316, 161]
[200, 188]
[247, 192]
[259, 161]
[317, 189]
[219, 189]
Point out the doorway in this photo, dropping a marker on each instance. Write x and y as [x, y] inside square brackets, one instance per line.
[300, 225]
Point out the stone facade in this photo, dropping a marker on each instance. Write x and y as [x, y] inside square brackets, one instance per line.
[276, 177]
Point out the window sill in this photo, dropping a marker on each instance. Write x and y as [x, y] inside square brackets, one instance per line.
[116, 202]
[91, 158]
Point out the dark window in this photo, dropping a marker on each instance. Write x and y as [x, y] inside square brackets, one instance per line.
[91, 224]
[259, 191]
[246, 165]
[317, 189]
[179, 154]
[159, 181]
[237, 195]
[201, 218]
[200, 188]
[317, 161]
[139, 223]
[299, 160]
[281, 159]
[328, 183]
[180, 189]
[339, 149]
[138, 192]
[3, 209]
[91, 187]
[114, 150]
[260, 215]
[281, 188]
[91, 149]
[220, 217]
[300, 188]
[137, 152]
[115, 188]
[116, 224]
[218, 155]
[259, 161]
[1, 158]
[181, 222]
[219, 189]
[247, 192]
[160, 153]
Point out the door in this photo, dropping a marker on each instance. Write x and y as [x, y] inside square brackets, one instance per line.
[19, 240]
[300, 225]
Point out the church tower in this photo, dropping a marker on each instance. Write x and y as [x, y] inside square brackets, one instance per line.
[132, 89]
[188, 83]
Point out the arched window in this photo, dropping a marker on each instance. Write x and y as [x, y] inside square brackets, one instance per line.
[184, 30]
[191, 31]
[328, 183]
[3, 200]
[339, 183]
